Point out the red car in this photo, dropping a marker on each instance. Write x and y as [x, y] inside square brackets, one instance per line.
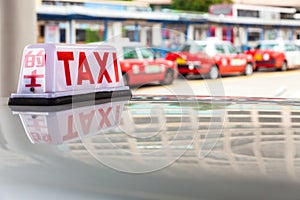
[278, 54]
[139, 64]
[212, 58]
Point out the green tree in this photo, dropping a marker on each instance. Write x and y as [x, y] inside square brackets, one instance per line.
[91, 36]
[196, 5]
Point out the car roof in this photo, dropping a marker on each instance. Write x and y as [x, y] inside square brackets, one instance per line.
[210, 145]
[275, 41]
[120, 44]
[208, 41]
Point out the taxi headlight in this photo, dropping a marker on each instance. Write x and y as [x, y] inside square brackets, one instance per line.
[127, 65]
[170, 63]
[249, 57]
[266, 56]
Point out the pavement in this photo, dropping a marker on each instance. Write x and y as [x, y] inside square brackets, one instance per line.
[260, 84]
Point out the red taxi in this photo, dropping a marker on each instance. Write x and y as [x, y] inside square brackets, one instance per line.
[279, 54]
[211, 58]
[139, 64]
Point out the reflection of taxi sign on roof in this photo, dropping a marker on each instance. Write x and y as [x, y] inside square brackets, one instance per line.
[57, 127]
[54, 74]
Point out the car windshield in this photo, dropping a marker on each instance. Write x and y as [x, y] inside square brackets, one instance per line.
[268, 46]
[186, 48]
[194, 48]
[129, 53]
[232, 49]
[146, 53]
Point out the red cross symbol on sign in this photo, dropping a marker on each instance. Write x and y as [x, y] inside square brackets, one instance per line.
[33, 78]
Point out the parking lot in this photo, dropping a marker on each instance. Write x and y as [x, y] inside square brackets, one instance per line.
[260, 84]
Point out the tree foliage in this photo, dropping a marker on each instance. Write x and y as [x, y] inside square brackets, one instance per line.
[196, 5]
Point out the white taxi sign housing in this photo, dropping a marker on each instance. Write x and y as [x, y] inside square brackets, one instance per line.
[55, 73]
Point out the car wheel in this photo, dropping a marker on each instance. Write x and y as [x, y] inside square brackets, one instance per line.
[125, 80]
[182, 76]
[214, 72]
[169, 78]
[248, 70]
[284, 66]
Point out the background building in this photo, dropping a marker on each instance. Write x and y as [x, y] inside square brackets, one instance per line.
[286, 3]
[84, 21]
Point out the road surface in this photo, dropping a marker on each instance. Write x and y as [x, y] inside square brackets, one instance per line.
[260, 84]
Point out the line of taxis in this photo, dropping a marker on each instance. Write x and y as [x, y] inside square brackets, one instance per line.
[211, 59]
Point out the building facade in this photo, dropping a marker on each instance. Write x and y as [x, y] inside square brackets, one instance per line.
[81, 21]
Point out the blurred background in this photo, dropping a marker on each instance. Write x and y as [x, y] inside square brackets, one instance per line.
[165, 26]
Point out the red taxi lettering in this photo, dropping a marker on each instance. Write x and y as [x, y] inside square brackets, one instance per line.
[71, 134]
[84, 70]
[116, 67]
[83, 65]
[32, 60]
[66, 57]
[86, 121]
[33, 78]
[102, 64]
[29, 59]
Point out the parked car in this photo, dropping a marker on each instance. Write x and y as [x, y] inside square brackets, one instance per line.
[212, 58]
[279, 54]
[140, 65]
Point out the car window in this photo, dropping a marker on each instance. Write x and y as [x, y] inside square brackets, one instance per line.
[197, 48]
[186, 48]
[271, 46]
[231, 49]
[146, 53]
[220, 49]
[130, 53]
[290, 47]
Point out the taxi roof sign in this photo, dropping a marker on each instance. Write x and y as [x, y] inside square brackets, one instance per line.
[53, 74]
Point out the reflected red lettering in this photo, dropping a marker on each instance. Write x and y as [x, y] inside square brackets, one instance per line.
[71, 134]
[118, 111]
[86, 121]
[47, 138]
[104, 118]
[35, 137]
